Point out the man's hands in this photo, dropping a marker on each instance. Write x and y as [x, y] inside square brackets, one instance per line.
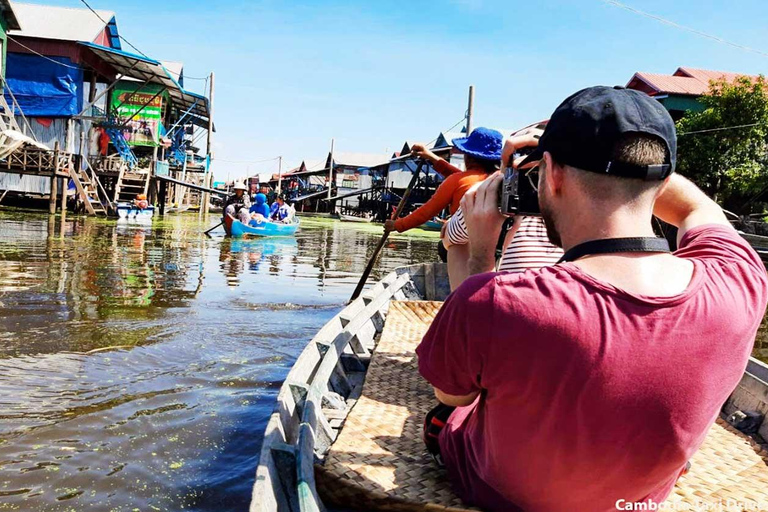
[421, 151]
[525, 139]
[389, 225]
[481, 214]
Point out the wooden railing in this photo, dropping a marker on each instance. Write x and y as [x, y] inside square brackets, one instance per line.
[33, 160]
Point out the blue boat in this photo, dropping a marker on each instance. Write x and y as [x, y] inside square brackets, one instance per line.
[265, 228]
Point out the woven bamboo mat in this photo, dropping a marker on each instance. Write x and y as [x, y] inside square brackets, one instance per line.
[379, 462]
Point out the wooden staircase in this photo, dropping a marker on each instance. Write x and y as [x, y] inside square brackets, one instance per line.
[130, 184]
[88, 188]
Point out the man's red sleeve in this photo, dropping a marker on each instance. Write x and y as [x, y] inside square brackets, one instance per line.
[452, 353]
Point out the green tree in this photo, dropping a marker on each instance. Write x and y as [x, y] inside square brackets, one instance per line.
[723, 148]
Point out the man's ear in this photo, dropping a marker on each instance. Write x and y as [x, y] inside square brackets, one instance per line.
[555, 174]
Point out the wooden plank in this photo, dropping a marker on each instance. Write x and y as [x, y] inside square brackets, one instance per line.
[309, 501]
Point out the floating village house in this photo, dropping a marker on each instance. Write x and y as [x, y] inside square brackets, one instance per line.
[124, 121]
[680, 91]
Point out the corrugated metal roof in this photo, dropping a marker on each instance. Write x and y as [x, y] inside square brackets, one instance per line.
[359, 159]
[668, 84]
[61, 23]
[176, 69]
[684, 81]
[150, 70]
[707, 75]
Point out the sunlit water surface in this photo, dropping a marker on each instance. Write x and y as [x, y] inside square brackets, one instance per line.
[138, 366]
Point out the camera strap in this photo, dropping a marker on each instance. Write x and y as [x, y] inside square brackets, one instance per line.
[614, 245]
[502, 236]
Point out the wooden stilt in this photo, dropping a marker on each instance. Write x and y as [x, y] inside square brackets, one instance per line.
[64, 183]
[54, 180]
[163, 190]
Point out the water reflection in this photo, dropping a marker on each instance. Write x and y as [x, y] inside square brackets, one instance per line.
[138, 365]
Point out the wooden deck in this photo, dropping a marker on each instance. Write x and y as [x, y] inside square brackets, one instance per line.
[37, 162]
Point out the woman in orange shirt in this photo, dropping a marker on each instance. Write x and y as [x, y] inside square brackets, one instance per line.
[482, 154]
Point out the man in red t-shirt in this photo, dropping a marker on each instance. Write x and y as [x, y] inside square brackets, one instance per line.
[591, 383]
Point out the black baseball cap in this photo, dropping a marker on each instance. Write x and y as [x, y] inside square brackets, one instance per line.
[584, 130]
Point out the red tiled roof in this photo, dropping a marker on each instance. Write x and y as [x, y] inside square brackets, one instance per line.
[684, 81]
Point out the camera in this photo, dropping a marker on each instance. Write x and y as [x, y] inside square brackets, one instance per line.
[517, 194]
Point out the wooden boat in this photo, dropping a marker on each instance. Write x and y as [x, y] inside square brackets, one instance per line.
[352, 218]
[227, 221]
[264, 228]
[346, 428]
[432, 225]
[132, 212]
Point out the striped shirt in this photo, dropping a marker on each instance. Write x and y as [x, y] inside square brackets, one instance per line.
[530, 248]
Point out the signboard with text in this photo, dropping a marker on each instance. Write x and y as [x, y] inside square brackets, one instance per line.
[141, 109]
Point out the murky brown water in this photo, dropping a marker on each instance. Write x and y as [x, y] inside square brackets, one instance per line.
[138, 366]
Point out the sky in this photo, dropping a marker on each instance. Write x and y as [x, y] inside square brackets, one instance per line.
[292, 75]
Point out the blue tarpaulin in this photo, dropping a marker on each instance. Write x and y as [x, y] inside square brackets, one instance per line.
[44, 88]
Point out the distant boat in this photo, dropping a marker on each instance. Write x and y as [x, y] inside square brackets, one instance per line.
[352, 218]
[237, 229]
[131, 212]
[432, 225]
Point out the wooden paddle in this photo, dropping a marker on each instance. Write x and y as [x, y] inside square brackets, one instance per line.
[384, 237]
[208, 231]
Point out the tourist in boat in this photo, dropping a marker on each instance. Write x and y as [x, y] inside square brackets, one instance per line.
[237, 204]
[482, 153]
[259, 210]
[283, 211]
[141, 202]
[525, 247]
[592, 382]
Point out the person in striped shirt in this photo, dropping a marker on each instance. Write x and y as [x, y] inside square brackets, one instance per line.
[526, 246]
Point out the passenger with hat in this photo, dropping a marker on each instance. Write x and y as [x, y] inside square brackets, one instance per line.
[588, 385]
[482, 154]
[237, 204]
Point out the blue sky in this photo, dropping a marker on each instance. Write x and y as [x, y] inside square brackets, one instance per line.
[292, 75]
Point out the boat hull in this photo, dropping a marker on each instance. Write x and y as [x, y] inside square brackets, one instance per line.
[130, 212]
[431, 225]
[265, 228]
[328, 376]
[352, 218]
[227, 221]
[346, 341]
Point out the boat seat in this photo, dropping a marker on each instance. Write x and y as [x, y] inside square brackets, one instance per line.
[378, 461]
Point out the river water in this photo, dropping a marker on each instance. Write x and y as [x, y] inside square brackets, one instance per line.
[138, 366]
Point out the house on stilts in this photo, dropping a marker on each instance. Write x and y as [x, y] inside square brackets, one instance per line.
[121, 123]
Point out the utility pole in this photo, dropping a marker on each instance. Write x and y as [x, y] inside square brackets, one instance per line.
[330, 171]
[470, 108]
[279, 174]
[206, 179]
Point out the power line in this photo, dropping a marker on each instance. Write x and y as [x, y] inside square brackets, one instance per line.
[720, 129]
[616, 3]
[449, 129]
[104, 22]
[41, 55]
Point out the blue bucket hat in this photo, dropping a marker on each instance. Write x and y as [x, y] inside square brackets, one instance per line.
[482, 143]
